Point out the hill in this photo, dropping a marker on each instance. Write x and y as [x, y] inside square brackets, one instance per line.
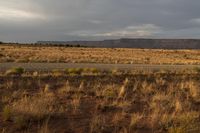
[133, 43]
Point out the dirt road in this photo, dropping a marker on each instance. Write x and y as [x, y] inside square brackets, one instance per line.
[60, 66]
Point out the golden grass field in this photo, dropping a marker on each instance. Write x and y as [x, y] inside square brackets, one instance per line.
[100, 103]
[97, 55]
[90, 100]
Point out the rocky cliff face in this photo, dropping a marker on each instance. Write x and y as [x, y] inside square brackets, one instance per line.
[137, 43]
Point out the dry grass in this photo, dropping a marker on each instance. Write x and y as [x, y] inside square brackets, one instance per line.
[101, 103]
[98, 124]
[45, 128]
[37, 107]
[97, 55]
[135, 119]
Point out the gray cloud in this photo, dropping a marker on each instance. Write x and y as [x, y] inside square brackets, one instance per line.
[32, 20]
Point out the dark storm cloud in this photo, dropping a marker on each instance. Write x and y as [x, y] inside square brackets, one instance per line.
[32, 20]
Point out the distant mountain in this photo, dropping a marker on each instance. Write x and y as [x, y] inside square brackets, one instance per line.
[133, 43]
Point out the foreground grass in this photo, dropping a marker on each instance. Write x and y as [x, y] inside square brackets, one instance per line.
[111, 103]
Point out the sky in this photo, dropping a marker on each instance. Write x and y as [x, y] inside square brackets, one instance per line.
[67, 20]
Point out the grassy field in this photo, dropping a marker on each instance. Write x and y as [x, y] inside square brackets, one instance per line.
[99, 102]
[97, 55]
[90, 100]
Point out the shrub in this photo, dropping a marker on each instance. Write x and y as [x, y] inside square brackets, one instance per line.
[91, 70]
[94, 70]
[114, 71]
[6, 113]
[74, 71]
[79, 71]
[56, 73]
[15, 71]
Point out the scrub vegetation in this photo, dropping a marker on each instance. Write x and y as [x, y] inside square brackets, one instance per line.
[24, 53]
[93, 101]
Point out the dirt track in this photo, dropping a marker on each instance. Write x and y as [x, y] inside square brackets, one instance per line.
[53, 66]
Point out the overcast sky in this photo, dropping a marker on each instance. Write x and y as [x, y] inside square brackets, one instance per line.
[33, 20]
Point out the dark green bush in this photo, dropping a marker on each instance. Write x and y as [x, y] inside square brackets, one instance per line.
[79, 71]
[15, 71]
[74, 71]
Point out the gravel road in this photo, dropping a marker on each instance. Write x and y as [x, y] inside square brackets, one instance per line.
[60, 66]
